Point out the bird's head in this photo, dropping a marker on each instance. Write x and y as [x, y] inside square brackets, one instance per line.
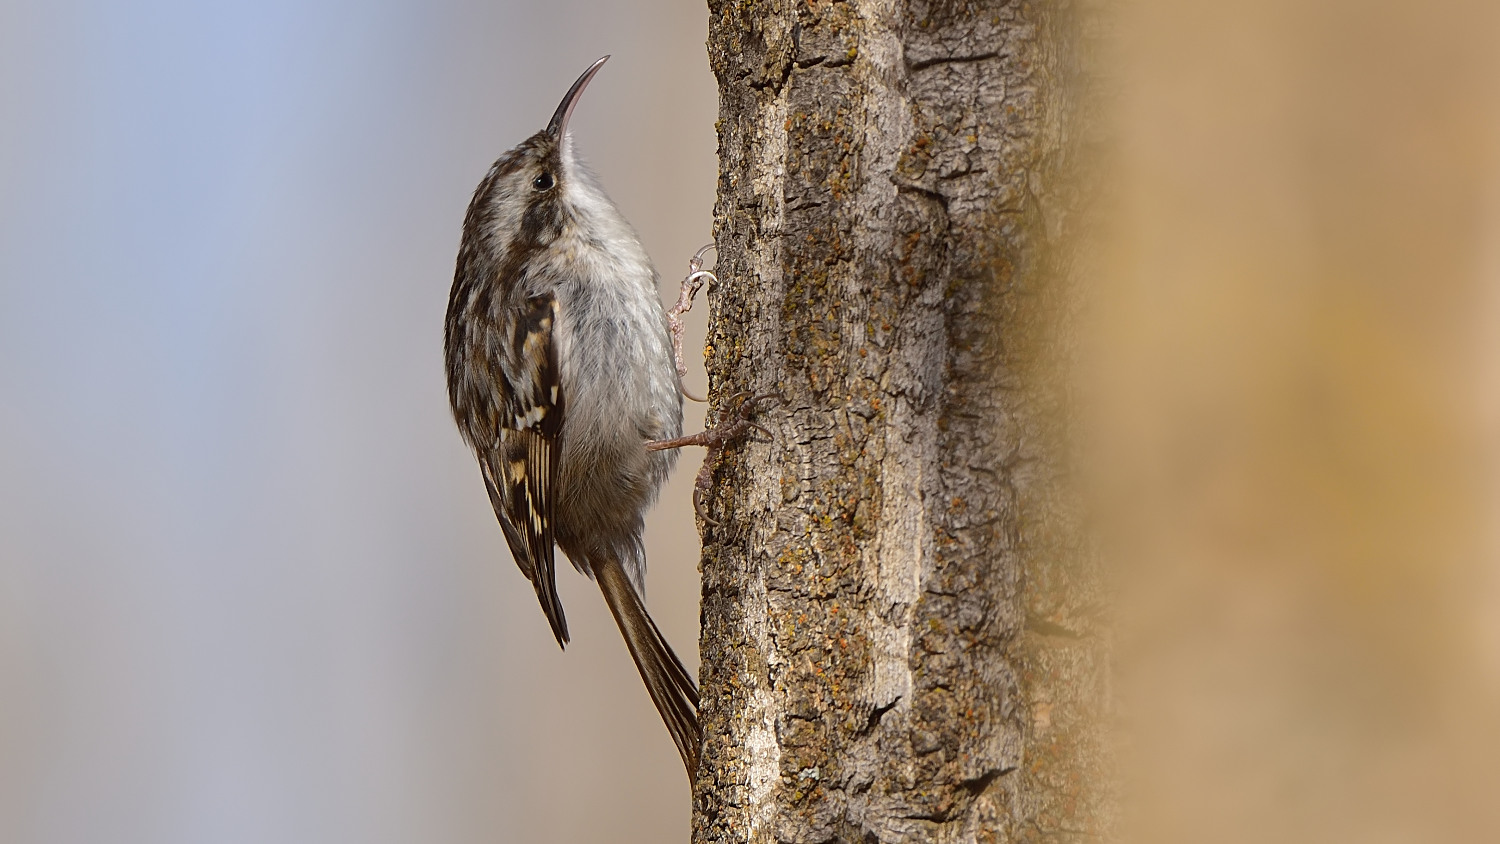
[526, 197]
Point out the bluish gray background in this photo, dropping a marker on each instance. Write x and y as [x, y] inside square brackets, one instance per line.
[250, 587]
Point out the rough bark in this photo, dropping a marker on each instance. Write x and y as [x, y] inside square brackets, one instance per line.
[897, 643]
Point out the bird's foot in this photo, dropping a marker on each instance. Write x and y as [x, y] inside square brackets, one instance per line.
[728, 429]
[694, 281]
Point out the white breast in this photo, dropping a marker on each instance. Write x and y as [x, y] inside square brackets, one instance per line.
[619, 379]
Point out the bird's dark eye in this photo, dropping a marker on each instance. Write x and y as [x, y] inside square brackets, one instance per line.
[543, 182]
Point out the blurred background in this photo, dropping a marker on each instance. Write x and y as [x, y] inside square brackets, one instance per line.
[1295, 427]
[250, 586]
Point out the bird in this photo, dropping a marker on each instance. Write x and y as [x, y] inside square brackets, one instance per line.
[561, 379]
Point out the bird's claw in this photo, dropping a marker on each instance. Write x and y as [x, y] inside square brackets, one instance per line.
[691, 284]
[728, 429]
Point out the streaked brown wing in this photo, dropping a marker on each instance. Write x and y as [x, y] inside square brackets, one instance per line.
[520, 469]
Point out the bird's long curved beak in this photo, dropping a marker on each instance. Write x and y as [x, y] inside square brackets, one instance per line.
[559, 123]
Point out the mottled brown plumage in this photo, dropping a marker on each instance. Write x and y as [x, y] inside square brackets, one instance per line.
[560, 372]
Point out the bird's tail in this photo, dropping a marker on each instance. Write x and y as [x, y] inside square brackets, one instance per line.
[672, 690]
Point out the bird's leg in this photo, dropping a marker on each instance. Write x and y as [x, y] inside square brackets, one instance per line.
[690, 286]
[728, 429]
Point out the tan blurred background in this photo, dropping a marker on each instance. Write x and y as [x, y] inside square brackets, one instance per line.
[1295, 431]
[250, 587]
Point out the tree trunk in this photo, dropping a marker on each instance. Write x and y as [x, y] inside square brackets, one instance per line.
[897, 643]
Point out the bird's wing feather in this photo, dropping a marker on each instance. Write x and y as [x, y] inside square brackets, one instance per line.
[520, 468]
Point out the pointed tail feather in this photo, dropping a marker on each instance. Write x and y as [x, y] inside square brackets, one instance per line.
[672, 689]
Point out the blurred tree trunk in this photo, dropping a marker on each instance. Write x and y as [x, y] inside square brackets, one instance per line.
[898, 635]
